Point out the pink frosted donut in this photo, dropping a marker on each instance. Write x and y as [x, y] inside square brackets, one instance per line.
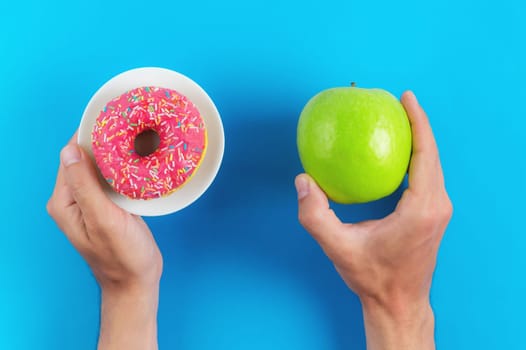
[182, 143]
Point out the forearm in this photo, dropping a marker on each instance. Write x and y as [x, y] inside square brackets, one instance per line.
[129, 320]
[411, 328]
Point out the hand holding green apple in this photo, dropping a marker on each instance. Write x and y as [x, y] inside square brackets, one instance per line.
[388, 263]
[356, 143]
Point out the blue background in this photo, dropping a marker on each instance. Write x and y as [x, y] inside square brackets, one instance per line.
[248, 276]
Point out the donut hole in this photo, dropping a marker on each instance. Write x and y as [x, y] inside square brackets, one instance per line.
[146, 142]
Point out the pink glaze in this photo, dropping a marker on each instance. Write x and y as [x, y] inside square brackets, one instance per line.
[182, 144]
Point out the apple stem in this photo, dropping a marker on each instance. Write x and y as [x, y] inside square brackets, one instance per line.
[353, 84]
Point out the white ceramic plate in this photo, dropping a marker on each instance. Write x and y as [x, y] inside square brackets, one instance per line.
[209, 167]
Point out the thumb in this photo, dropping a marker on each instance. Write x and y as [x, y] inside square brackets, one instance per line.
[315, 215]
[81, 178]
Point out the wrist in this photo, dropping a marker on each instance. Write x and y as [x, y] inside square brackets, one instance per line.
[130, 291]
[118, 282]
[139, 301]
[129, 318]
[399, 325]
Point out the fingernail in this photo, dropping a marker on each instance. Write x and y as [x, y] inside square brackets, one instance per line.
[413, 96]
[70, 155]
[302, 186]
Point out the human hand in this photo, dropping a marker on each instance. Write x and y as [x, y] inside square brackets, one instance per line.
[118, 247]
[389, 263]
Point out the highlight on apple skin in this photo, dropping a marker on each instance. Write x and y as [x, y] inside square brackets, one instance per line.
[355, 143]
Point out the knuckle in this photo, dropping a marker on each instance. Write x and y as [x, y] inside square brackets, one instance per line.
[56, 212]
[78, 191]
[426, 219]
[50, 207]
[447, 209]
[429, 217]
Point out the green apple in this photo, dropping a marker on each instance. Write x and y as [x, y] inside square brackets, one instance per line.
[355, 143]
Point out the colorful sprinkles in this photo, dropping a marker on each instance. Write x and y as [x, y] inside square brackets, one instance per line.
[182, 146]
